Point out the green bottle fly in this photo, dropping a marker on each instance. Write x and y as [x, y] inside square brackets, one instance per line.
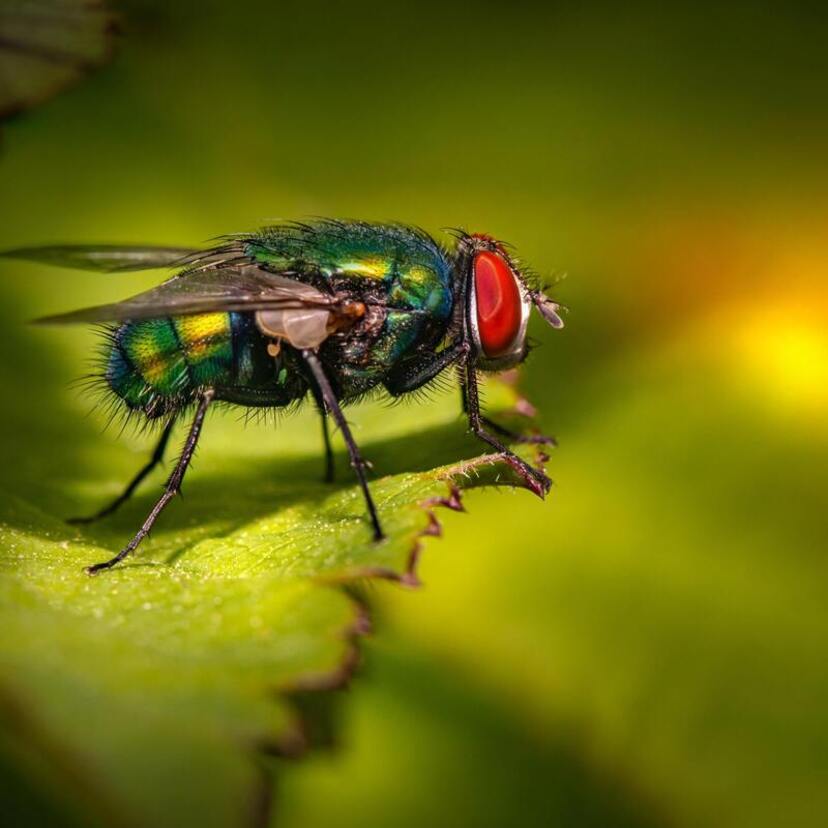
[328, 309]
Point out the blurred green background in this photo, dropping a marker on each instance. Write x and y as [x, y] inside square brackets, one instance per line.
[647, 647]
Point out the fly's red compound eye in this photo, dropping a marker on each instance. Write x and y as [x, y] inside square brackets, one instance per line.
[499, 304]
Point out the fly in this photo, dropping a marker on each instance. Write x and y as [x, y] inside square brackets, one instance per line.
[331, 309]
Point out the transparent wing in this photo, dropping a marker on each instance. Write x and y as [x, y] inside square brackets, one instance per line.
[105, 258]
[204, 291]
[46, 45]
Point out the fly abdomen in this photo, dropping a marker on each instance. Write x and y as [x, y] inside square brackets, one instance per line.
[157, 365]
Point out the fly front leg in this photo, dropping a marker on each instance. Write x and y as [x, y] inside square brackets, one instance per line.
[326, 392]
[172, 488]
[157, 457]
[415, 372]
[536, 480]
[507, 434]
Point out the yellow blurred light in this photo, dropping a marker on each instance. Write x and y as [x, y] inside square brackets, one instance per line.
[786, 352]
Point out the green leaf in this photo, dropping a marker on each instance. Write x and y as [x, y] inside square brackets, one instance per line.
[662, 619]
[147, 695]
[48, 46]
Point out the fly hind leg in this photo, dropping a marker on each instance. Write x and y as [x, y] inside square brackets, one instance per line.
[157, 457]
[172, 488]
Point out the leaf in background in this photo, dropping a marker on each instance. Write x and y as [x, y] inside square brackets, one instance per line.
[144, 696]
[667, 620]
[47, 45]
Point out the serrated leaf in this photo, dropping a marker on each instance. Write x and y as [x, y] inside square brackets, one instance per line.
[158, 683]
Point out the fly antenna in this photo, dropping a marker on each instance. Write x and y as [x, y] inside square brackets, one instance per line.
[548, 309]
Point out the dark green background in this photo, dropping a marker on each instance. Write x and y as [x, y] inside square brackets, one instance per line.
[648, 646]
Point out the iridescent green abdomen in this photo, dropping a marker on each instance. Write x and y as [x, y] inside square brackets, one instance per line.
[158, 365]
[400, 274]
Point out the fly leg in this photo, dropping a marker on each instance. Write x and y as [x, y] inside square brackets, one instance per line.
[507, 434]
[415, 372]
[172, 488]
[536, 480]
[326, 437]
[157, 457]
[332, 405]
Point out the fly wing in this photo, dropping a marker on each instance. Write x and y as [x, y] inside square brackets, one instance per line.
[105, 258]
[206, 289]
